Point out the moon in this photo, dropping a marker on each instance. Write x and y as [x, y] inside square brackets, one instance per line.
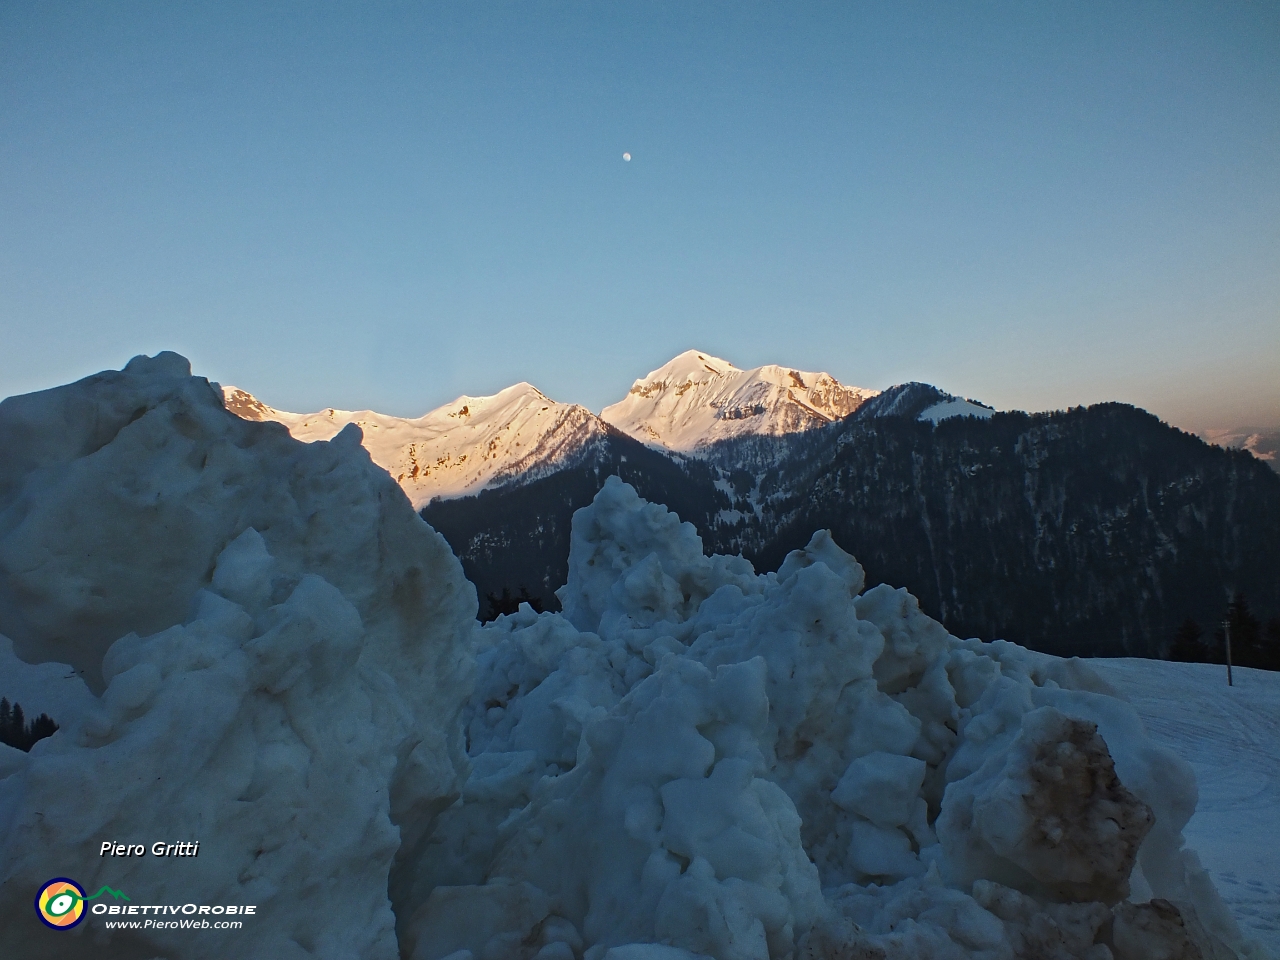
[626, 157]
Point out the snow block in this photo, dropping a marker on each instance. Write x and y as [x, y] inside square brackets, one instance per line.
[248, 641]
[693, 758]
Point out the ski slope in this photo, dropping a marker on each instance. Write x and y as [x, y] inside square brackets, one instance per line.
[1231, 736]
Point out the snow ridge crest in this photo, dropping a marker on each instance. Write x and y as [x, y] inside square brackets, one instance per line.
[696, 399]
[458, 449]
[519, 434]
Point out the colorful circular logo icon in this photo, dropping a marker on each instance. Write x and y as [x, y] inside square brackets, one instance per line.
[60, 903]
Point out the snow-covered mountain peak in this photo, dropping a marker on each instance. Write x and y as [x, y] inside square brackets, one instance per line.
[520, 434]
[688, 368]
[922, 401]
[696, 399]
[457, 449]
[511, 403]
[245, 405]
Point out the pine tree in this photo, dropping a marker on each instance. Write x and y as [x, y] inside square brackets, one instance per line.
[41, 727]
[1187, 646]
[17, 728]
[16, 732]
[1271, 645]
[507, 604]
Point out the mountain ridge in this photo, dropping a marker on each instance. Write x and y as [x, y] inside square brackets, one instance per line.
[460, 448]
[696, 399]
[1091, 531]
[519, 434]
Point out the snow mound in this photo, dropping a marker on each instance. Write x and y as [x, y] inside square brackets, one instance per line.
[1231, 737]
[255, 643]
[695, 760]
[248, 641]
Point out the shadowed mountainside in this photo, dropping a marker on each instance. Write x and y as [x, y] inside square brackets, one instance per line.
[1093, 531]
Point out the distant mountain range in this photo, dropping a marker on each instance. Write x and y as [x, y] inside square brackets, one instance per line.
[519, 435]
[464, 447]
[1263, 444]
[1094, 531]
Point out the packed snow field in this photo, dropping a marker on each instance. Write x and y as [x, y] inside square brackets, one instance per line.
[1231, 737]
[256, 642]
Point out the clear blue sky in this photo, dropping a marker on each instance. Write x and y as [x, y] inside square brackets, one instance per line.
[381, 205]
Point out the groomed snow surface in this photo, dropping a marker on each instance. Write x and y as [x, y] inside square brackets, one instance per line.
[256, 643]
[1231, 737]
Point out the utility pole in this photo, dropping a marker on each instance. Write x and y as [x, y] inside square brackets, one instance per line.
[1226, 625]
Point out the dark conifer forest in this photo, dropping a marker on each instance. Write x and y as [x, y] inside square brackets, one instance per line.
[17, 731]
[1096, 531]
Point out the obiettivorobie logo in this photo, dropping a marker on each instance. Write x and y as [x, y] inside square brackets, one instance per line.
[61, 905]
[60, 902]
